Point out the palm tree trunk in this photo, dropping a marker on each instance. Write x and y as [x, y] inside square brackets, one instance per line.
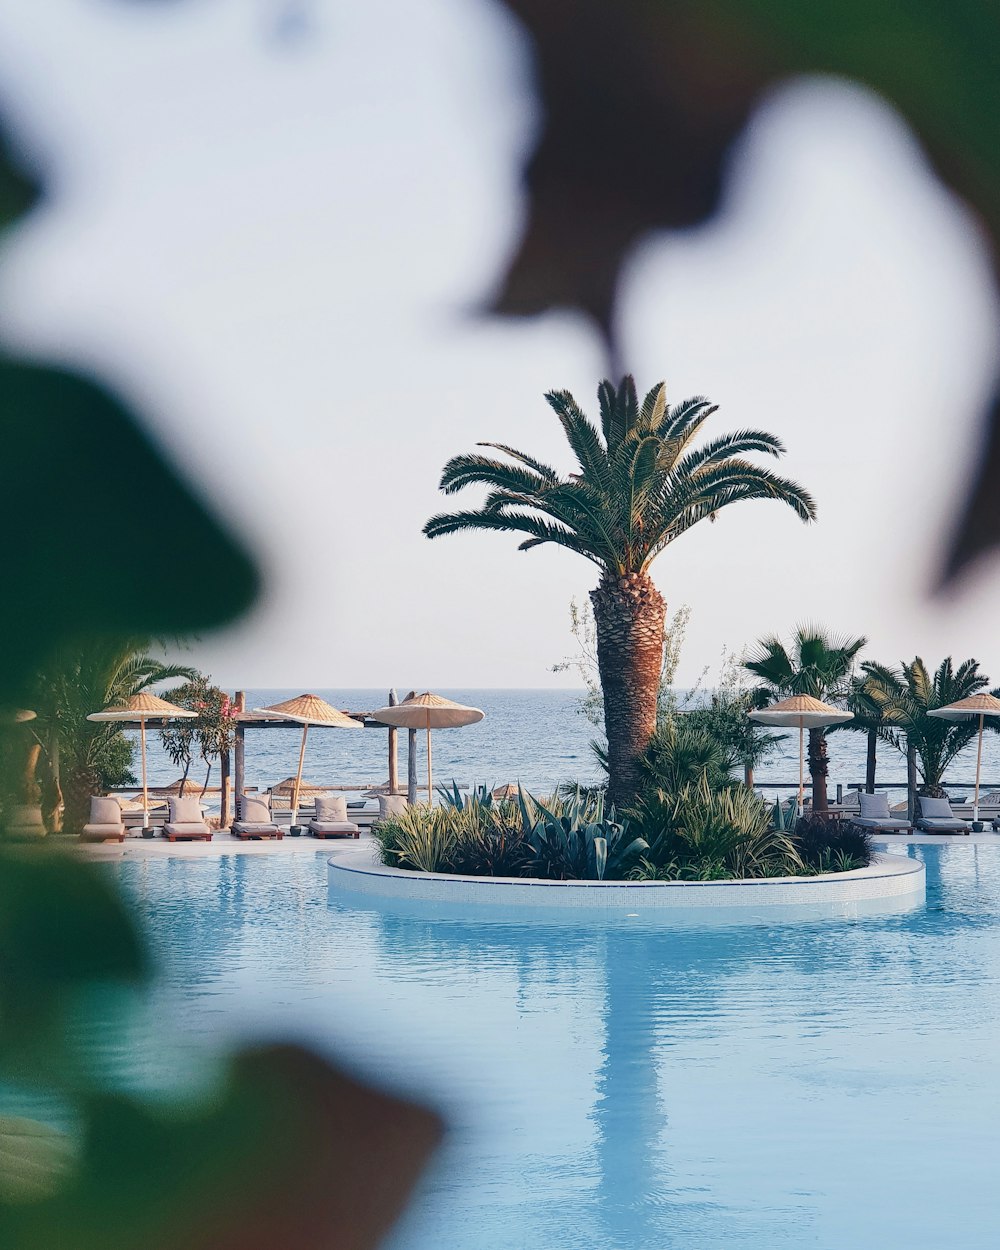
[629, 615]
[78, 787]
[872, 761]
[819, 767]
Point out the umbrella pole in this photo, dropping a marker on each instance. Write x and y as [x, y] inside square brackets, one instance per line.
[979, 761]
[298, 777]
[801, 765]
[430, 792]
[145, 799]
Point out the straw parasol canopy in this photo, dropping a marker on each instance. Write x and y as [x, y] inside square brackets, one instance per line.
[976, 705]
[191, 787]
[801, 712]
[509, 791]
[16, 715]
[429, 711]
[139, 707]
[309, 709]
[288, 785]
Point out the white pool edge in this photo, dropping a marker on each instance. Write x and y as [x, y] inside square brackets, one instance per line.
[891, 879]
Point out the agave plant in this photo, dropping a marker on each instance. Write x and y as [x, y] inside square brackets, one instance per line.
[577, 841]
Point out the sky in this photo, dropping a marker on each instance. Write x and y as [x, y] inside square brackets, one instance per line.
[271, 227]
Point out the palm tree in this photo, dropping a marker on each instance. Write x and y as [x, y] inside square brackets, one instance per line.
[907, 695]
[640, 486]
[80, 756]
[816, 664]
[869, 719]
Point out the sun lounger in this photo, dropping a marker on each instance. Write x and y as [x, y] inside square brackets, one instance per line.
[106, 822]
[331, 819]
[936, 816]
[254, 820]
[876, 817]
[187, 821]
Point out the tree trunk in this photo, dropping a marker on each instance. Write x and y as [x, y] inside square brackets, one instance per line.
[872, 761]
[78, 787]
[911, 781]
[629, 614]
[819, 767]
[748, 776]
[225, 768]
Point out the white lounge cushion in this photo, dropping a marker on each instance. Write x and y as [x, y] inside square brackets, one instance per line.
[255, 826]
[254, 809]
[333, 826]
[889, 822]
[185, 810]
[186, 827]
[875, 806]
[391, 805]
[331, 807]
[99, 830]
[105, 811]
[935, 822]
[936, 809]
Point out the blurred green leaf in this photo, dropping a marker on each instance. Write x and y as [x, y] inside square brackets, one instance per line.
[62, 927]
[34, 1159]
[291, 1155]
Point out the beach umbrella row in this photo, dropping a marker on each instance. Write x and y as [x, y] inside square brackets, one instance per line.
[138, 708]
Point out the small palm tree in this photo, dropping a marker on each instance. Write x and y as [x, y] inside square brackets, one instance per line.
[906, 696]
[816, 664]
[869, 719]
[640, 486]
[80, 756]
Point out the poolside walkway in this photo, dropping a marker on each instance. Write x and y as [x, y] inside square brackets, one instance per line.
[222, 844]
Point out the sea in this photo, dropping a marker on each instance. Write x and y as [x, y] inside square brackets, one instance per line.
[539, 738]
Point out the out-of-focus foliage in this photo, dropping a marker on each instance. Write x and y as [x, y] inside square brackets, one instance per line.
[287, 1151]
[643, 100]
[79, 757]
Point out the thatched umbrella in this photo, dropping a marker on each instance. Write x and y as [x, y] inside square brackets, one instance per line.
[981, 705]
[803, 712]
[309, 709]
[139, 707]
[429, 711]
[509, 791]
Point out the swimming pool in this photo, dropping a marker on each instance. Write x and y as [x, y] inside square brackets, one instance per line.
[611, 1085]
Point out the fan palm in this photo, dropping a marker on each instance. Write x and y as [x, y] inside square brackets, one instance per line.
[908, 694]
[869, 719]
[640, 486]
[81, 756]
[816, 664]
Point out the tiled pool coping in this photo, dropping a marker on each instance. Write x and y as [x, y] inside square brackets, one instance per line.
[891, 883]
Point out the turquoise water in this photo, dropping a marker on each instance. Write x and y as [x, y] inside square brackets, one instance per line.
[616, 1086]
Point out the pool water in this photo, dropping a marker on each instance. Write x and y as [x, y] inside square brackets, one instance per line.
[617, 1085]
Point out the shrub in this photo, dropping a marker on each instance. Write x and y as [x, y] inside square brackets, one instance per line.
[421, 838]
[681, 753]
[832, 845]
[705, 834]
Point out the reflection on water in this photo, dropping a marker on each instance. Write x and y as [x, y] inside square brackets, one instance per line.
[612, 1084]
